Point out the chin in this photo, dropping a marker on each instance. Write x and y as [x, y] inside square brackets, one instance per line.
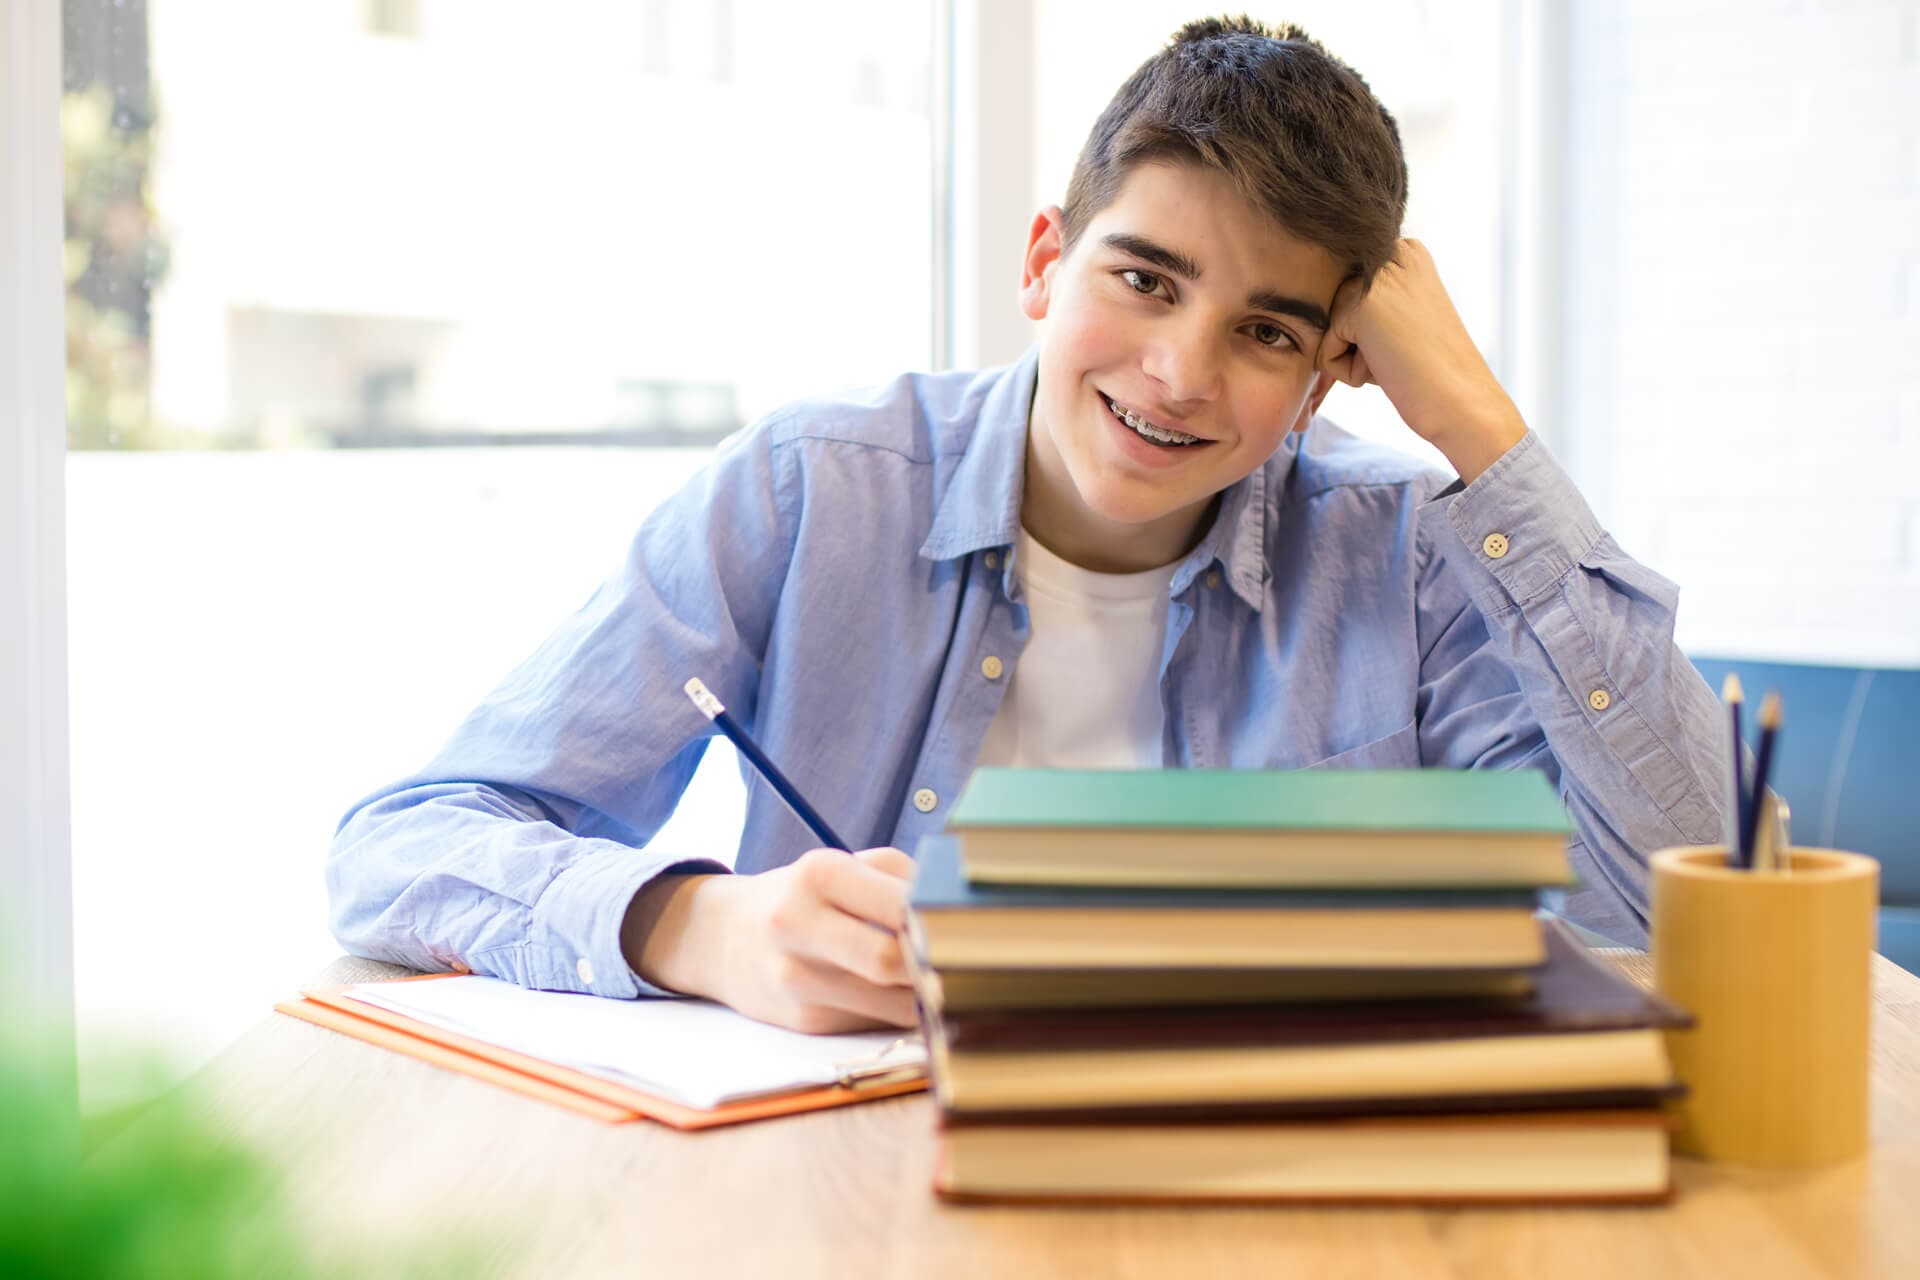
[1123, 502]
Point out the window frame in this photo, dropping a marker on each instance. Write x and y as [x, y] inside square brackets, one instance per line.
[35, 854]
[1533, 216]
[983, 153]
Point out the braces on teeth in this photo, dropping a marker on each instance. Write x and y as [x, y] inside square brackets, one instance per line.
[1148, 429]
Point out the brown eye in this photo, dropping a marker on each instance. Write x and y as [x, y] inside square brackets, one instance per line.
[1271, 335]
[1141, 281]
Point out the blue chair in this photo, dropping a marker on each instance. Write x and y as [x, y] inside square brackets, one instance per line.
[1843, 767]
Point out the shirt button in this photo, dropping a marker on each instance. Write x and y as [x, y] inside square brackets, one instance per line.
[993, 559]
[1213, 577]
[1495, 545]
[924, 800]
[991, 668]
[584, 967]
[1599, 700]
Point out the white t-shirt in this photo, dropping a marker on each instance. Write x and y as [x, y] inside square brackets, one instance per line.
[1086, 691]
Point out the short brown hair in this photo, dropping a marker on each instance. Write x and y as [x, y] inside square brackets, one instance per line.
[1295, 128]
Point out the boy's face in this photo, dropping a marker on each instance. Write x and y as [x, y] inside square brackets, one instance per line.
[1189, 311]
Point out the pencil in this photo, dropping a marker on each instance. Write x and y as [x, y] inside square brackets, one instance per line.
[1762, 768]
[711, 708]
[1736, 792]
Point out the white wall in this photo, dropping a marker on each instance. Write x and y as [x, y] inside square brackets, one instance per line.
[1742, 326]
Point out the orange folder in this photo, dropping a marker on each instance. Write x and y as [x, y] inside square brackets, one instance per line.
[587, 1095]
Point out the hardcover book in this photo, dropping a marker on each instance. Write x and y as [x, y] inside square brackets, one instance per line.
[955, 924]
[1574, 991]
[1330, 828]
[1541, 1158]
[1048, 988]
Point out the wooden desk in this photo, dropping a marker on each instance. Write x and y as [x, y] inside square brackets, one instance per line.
[373, 1142]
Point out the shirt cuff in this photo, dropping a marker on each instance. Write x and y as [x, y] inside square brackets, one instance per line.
[1521, 527]
[574, 941]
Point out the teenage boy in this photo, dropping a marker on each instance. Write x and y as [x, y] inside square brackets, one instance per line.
[1135, 547]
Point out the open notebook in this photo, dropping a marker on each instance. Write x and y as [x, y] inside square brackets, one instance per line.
[687, 1063]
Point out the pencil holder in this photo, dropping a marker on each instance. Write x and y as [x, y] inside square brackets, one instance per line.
[1775, 967]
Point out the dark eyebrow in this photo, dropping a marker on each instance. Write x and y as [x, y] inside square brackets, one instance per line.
[1147, 251]
[1186, 268]
[1311, 312]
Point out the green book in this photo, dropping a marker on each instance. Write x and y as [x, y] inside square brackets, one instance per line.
[1299, 828]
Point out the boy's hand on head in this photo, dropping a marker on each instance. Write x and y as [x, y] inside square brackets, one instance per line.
[1404, 334]
[814, 946]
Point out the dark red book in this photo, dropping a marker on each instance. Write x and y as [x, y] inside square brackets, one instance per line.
[1575, 991]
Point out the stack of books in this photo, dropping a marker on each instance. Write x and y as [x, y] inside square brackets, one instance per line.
[1195, 985]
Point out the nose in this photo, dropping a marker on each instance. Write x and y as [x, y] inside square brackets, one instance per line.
[1185, 361]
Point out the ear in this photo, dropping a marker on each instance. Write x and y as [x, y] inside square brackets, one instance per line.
[1322, 384]
[1043, 255]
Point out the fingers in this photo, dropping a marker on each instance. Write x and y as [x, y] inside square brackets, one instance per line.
[829, 999]
[834, 938]
[892, 861]
[867, 886]
[848, 913]
[1350, 367]
[1340, 353]
[825, 953]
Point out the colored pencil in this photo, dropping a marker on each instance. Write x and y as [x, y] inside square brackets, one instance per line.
[1757, 808]
[1736, 790]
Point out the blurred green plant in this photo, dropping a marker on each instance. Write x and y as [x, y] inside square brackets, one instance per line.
[161, 1197]
[115, 257]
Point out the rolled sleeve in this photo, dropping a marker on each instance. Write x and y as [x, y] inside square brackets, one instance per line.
[1587, 633]
[573, 939]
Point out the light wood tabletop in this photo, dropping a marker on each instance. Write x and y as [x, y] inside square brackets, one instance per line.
[376, 1145]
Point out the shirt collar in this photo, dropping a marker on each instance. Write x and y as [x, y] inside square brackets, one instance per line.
[980, 508]
[1237, 539]
[981, 505]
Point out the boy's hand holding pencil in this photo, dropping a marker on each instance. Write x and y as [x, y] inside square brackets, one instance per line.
[813, 946]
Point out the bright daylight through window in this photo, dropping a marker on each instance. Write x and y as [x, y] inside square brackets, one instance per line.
[387, 324]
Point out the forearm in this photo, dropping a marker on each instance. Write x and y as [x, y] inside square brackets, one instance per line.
[474, 876]
[1479, 432]
[1630, 729]
[667, 939]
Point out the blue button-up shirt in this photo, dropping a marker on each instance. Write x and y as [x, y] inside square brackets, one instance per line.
[832, 577]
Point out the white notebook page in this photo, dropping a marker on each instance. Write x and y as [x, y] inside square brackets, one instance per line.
[693, 1052]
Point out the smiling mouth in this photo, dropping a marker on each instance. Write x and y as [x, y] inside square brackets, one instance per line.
[1165, 437]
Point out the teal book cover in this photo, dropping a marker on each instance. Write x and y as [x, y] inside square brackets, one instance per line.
[1488, 801]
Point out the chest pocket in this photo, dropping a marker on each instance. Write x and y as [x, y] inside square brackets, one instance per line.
[1398, 750]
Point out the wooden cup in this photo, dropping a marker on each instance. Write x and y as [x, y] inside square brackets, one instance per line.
[1775, 967]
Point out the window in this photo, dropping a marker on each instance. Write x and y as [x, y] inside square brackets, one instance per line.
[390, 319]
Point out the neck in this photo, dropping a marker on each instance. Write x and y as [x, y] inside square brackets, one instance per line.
[1052, 512]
